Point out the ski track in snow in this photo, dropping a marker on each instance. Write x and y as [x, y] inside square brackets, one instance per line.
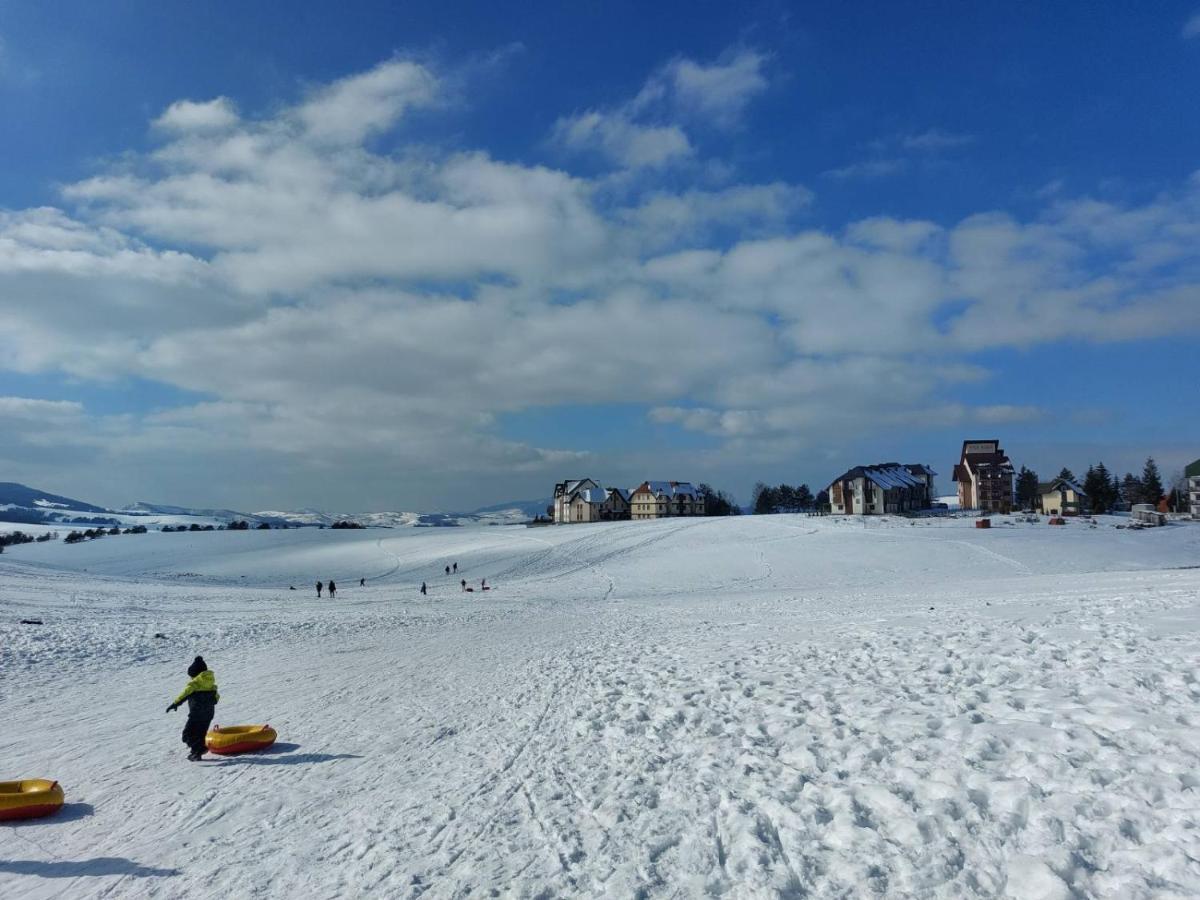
[766, 707]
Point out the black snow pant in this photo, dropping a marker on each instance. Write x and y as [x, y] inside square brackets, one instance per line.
[195, 729]
[201, 708]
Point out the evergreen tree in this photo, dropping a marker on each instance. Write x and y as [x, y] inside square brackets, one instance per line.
[1095, 489]
[1066, 474]
[717, 503]
[764, 500]
[804, 497]
[823, 500]
[1027, 488]
[1152, 489]
[1131, 488]
[1104, 483]
[1114, 490]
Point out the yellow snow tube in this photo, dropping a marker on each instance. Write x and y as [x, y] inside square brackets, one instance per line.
[29, 799]
[240, 738]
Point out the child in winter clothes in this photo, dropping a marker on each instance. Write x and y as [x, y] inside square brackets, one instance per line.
[201, 696]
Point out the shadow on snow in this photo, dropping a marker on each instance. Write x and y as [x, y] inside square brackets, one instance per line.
[69, 812]
[101, 865]
[284, 754]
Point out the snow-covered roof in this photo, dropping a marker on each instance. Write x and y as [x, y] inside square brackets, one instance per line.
[668, 488]
[1060, 483]
[889, 475]
[599, 495]
[892, 477]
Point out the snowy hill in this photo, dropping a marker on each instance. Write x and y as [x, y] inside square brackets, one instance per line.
[527, 509]
[23, 504]
[751, 707]
[163, 509]
[19, 495]
[501, 514]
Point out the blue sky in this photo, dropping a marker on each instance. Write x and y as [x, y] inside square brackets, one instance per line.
[375, 255]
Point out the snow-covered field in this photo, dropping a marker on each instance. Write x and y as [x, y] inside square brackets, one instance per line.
[759, 707]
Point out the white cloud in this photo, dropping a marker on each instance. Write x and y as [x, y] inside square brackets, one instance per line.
[934, 140]
[26, 408]
[356, 106]
[348, 316]
[891, 234]
[717, 94]
[869, 168]
[1007, 413]
[899, 153]
[189, 115]
[627, 143]
[664, 219]
[646, 131]
[1191, 28]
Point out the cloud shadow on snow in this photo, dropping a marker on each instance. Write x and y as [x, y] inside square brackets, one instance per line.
[101, 865]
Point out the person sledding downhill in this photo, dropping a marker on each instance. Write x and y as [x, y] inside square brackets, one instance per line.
[202, 697]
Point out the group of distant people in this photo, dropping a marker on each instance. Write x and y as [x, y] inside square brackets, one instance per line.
[452, 569]
[332, 588]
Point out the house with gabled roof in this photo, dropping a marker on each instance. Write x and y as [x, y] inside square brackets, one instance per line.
[1062, 497]
[617, 505]
[660, 499]
[583, 500]
[564, 492]
[881, 489]
[985, 477]
[598, 505]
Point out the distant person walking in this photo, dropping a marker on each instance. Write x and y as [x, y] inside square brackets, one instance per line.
[332, 589]
[456, 568]
[319, 586]
[464, 584]
[483, 584]
[447, 570]
[422, 589]
[362, 582]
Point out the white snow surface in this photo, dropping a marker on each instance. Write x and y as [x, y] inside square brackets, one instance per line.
[775, 706]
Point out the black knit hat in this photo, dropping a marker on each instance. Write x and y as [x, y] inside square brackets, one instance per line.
[198, 665]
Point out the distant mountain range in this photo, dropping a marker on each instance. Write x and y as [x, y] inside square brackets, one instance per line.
[22, 504]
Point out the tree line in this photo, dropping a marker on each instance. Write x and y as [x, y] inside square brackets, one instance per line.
[1106, 490]
[783, 498]
[14, 538]
[92, 533]
[717, 502]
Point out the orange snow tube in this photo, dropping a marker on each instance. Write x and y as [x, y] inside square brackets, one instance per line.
[240, 738]
[29, 799]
